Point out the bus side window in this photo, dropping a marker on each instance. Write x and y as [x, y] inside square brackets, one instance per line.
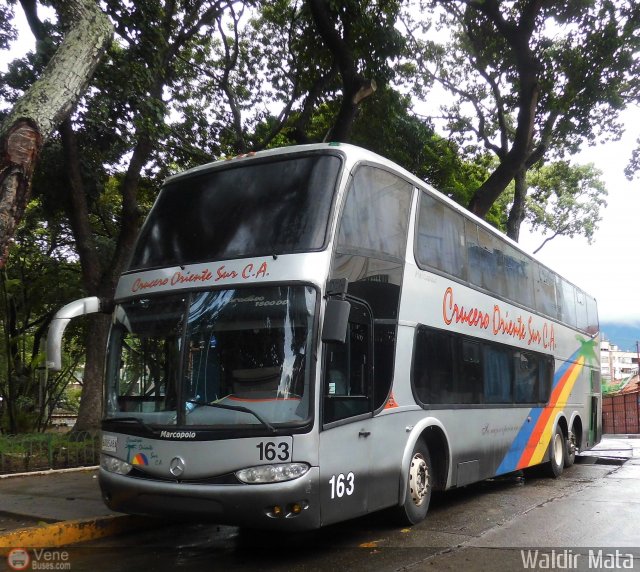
[546, 379]
[347, 381]
[470, 380]
[433, 367]
[498, 374]
[384, 341]
[375, 217]
[440, 237]
[337, 382]
[451, 369]
[527, 377]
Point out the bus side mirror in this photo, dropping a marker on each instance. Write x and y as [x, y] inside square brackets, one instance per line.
[80, 307]
[336, 319]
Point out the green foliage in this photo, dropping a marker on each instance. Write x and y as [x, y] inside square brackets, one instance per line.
[7, 29]
[70, 400]
[39, 278]
[387, 126]
[22, 453]
[566, 199]
[612, 388]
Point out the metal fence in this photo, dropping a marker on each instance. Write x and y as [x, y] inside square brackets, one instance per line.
[621, 413]
[37, 452]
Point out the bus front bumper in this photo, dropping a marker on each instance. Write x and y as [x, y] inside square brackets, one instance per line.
[290, 505]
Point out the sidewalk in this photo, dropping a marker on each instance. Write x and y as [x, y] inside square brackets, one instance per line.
[50, 496]
[622, 447]
[55, 508]
[66, 506]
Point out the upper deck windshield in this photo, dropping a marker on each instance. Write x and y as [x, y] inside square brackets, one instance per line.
[245, 209]
[223, 359]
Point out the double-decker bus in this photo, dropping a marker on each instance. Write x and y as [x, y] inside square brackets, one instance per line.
[310, 334]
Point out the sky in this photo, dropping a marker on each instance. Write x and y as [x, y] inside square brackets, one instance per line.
[609, 268]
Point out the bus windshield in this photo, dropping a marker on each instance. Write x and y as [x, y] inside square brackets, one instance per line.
[242, 210]
[217, 359]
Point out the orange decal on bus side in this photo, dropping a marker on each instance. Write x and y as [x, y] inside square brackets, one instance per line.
[391, 402]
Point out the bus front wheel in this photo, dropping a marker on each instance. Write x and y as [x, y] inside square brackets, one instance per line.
[557, 451]
[419, 485]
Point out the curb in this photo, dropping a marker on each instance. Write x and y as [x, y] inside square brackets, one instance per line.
[46, 472]
[74, 531]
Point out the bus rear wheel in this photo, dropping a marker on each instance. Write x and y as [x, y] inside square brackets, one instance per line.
[571, 449]
[557, 452]
[419, 485]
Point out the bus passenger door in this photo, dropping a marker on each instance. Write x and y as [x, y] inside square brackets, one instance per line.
[347, 408]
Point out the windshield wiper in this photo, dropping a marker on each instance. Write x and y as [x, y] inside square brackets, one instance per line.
[235, 408]
[129, 420]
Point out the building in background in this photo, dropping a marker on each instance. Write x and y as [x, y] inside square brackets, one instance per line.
[618, 367]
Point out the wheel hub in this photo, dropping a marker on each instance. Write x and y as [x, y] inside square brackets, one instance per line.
[418, 479]
[558, 453]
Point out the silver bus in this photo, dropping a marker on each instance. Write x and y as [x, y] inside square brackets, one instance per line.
[309, 334]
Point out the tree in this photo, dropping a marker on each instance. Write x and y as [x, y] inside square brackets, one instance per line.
[130, 104]
[38, 278]
[361, 38]
[188, 81]
[565, 200]
[117, 141]
[7, 30]
[387, 126]
[533, 80]
[47, 102]
[265, 77]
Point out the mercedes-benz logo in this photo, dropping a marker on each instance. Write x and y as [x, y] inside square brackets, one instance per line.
[176, 466]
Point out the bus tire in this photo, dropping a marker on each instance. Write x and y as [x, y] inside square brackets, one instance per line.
[570, 451]
[419, 486]
[557, 454]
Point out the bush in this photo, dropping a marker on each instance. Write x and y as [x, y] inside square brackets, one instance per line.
[42, 451]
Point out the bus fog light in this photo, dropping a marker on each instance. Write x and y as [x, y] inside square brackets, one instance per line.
[291, 510]
[272, 473]
[113, 465]
[296, 508]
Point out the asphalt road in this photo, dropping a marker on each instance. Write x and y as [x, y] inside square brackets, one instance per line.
[588, 519]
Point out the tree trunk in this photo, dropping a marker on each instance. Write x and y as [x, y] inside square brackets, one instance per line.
[518, 210]
[47, 102]
[90, 411]
[351, 99]
[527, 65]
[100, 275]
[354, 87]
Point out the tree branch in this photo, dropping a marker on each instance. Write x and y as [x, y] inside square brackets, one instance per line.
[545, 242]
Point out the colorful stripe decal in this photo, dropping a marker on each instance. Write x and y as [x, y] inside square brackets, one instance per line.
[531, 442]
[539, 441]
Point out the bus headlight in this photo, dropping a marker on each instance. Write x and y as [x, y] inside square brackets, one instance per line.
[272, 473]
[114, 465]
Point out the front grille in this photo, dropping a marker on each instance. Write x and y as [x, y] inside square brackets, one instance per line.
[226, 479]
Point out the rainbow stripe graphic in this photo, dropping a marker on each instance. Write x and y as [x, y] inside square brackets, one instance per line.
[140, 459]
[531, 442]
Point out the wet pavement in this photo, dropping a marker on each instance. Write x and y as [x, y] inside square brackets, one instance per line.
[53, 496]
[582, 518]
